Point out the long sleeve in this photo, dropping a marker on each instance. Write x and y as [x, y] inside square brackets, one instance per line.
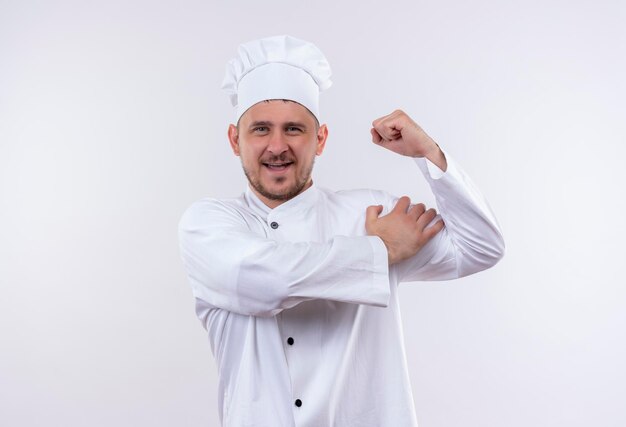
[471, 240]
[232, 267]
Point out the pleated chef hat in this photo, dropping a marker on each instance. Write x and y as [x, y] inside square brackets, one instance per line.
[280, 67]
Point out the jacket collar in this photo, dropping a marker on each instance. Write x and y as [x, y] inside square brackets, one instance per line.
[303, 201]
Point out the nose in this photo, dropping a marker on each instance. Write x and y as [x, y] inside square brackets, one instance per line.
[277, 143]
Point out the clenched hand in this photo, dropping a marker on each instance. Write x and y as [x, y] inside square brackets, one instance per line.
[399, 133]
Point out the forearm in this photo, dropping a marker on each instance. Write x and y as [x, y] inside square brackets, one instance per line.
[232, 268]
[437, 157]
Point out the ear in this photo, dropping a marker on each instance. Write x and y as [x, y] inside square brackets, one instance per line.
[322, 135]
[233, 138]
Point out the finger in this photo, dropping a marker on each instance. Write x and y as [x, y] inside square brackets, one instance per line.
[376, 138]
[386, 117]
[384, 128]
[415, 211]
[379, 120]
[390, 126]
[387, 131]
[402, 205]
[372, 213]
[426, 218]
[430, 232]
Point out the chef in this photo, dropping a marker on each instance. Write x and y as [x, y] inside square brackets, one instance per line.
[297, 285]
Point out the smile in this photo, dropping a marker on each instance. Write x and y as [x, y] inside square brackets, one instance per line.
[277, 166]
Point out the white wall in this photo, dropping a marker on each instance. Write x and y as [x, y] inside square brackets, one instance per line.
[112, 122]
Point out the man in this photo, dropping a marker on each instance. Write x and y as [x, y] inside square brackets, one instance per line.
[296, 285]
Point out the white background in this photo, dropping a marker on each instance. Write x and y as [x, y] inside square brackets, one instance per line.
[112, 122]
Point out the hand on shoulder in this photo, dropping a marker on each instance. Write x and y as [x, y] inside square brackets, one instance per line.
[404, 230]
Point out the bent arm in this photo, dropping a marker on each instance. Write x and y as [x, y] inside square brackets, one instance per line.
[471, 240]
[231, 267]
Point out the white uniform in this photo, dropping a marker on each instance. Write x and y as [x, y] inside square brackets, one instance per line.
[302, 309]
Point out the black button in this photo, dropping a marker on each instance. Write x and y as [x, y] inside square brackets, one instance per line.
[290, 341]
[274, 225]
[298, 403]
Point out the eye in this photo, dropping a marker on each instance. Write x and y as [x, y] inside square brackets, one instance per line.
[293, 129]
[260, 129]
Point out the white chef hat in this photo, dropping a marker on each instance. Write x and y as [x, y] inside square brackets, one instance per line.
[280, 67]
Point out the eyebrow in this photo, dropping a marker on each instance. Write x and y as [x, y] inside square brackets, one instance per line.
[295, 124]
[261, 123]
[270, 124]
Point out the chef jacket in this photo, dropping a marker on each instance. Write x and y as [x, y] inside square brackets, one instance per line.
[302, 309]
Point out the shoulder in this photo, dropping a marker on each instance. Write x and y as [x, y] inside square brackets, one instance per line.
[211, 209]
[358, 197]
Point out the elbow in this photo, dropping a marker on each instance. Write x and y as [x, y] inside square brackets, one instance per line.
[266, 304]
[502, 249]
[262, 293]
[495, 251]
[241, 297]
[492, 248]
[483, 257]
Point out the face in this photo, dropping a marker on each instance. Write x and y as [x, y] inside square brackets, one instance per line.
[277, 142]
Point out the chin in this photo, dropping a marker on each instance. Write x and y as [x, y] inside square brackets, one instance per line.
[285, 194]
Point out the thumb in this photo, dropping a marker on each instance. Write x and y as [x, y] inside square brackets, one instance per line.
[376, 138]
[371, 214]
